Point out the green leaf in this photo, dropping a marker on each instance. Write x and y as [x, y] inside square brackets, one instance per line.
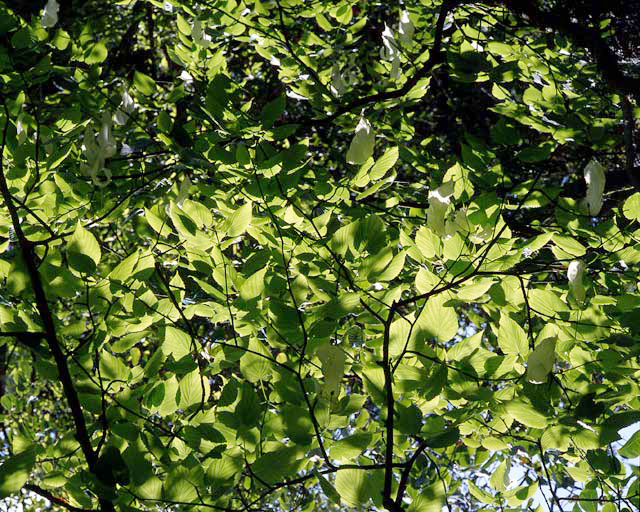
[124, 269]
[427, 242]
[95, 53]
[58, 157]
[183, 25]
[541, 360]
[349, 448]
[112, 367]
[222, 469]
[536, 153]
[393, 269]
[481, 495]
[546, 303]
[271, 466]
[169, 403]
[14, 472]
[442, 440]
[569, 245]
[352, 487]
[631, 448]
[194, 389]
[333, 366]
[383, 164]
[432, 498]
[512, 338]
[631, 208]
[238, 221]
[181, 485]
[500, 478]
[437, 320]
[328, 489]
[150, 489]
[144, 83]
[272, 111]
[176, 343]
[255, 365]
[18, 279]
[83, 251]
[526, 414]
[253, 286]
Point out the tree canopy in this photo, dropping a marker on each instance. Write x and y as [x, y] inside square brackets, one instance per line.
[319, 255]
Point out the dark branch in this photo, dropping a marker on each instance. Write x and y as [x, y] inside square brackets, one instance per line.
[54, 499]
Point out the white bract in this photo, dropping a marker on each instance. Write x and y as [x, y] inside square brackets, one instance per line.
[439, 201]
[21, 131]
[200, 37]
[574, 274]
[105, 138]
[405, 29]
[296, 96]
[274, 61]
[361, 147]
[90, 146]
[541, 361]
[390, 52]
[50, 14]
[456, 222]
[594, 176]
[96, 151]
[186, 77]
[127, 106]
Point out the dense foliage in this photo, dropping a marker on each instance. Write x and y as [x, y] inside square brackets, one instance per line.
[319, 255]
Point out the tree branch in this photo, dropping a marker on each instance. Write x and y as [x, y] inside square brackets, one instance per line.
[587, 37]
[54, 499]
[435, 58]
[387, 500]
[404, 478]
[42, 305]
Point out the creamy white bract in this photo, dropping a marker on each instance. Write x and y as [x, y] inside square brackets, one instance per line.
[439, 201]
[595, 178]
[127, 107]
[361, 147]
[50, 14]
[575, 272]
[405, 29]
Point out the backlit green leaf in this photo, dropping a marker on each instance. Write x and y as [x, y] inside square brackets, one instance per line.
[238, 221]
[14, 472]
[176, 343]
[83, 250]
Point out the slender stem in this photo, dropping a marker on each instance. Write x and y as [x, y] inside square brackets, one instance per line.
[54, 499]
[42, 305]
